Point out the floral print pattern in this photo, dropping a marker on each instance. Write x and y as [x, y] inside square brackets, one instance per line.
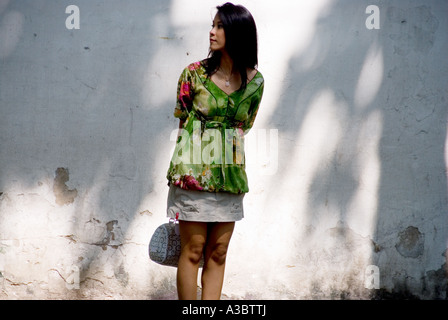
[209, 154]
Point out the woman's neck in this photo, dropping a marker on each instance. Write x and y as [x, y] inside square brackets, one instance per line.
[226, 63]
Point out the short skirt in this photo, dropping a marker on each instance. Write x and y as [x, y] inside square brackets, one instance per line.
[203, 206]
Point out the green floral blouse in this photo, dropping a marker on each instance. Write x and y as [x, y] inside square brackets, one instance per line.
[209, 152]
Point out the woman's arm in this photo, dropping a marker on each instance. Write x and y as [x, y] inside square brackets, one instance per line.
[181, 123]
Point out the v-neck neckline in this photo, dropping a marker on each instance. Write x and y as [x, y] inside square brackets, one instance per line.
[237, 90]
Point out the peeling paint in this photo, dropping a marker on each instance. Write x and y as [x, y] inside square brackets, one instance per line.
[411, 242]
[61, 191]
[112, 236]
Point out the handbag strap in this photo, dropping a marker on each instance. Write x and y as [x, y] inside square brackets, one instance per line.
[175, 223]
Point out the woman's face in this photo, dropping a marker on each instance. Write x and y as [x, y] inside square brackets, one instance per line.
[217, 35]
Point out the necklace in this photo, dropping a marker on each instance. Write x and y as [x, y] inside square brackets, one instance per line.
[226, 78]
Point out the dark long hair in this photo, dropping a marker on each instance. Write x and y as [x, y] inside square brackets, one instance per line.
[241, 40]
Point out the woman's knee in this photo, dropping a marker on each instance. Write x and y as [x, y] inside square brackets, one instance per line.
[219, 253]
[193, 238]
[193, 251]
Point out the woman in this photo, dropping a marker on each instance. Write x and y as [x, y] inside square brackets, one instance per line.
[217, 101]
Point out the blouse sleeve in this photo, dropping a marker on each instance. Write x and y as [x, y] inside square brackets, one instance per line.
[253, 109]
[185, 93]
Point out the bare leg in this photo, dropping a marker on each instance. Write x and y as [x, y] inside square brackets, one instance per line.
[193, 237]
[219, 235]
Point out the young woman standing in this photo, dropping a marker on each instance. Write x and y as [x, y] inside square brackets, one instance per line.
[217, 102]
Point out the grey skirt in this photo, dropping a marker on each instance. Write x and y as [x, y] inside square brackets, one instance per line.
[203, 206]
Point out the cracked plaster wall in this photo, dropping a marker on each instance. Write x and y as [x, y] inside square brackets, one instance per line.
[360, 178]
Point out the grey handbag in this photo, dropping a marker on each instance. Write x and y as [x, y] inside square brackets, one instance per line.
[164, 247]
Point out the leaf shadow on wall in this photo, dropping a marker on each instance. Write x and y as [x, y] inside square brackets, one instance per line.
[80, 144]
[356, 116]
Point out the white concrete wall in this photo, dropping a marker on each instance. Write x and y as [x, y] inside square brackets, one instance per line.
[357, 179]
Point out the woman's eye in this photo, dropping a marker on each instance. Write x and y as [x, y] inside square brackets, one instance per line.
[219, 26]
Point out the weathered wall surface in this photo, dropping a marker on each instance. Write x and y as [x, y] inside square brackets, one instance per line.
[355, 177]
